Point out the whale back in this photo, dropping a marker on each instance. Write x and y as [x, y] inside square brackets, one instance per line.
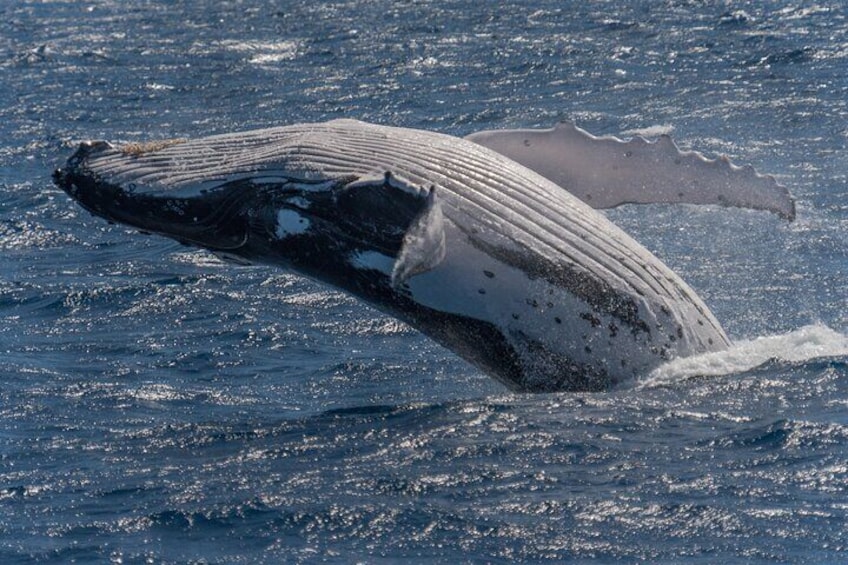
[570, 291]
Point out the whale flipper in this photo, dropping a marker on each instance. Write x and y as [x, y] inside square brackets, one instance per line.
[423, 243]
[607, 171]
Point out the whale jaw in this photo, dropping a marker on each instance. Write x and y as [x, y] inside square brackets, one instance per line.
[217, 220]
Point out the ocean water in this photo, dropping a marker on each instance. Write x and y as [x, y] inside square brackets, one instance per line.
[157, 405]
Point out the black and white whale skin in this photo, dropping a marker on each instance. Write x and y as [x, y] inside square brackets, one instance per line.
[489, 258]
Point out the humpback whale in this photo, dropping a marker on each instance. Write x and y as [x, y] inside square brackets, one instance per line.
[504, 263]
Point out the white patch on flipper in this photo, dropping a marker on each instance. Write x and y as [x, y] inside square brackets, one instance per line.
[290, 223]
[423, 244]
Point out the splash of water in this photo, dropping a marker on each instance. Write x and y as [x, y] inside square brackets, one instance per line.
[809, 342]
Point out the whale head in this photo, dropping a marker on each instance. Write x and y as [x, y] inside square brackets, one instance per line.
[372, 223]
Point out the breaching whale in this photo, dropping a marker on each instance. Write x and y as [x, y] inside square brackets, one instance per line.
[492, 259]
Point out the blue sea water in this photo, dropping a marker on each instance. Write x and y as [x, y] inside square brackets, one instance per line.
[159, 406]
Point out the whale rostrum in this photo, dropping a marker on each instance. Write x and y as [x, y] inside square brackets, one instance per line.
[490, 258]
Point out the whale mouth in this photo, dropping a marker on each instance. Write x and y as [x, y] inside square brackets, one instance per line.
[243, 210]
[214, 219]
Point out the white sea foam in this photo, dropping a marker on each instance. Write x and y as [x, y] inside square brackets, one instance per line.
[806, 343]
[265, 52]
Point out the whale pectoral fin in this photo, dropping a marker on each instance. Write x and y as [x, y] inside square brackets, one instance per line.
[607, 171]
[423, 243]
